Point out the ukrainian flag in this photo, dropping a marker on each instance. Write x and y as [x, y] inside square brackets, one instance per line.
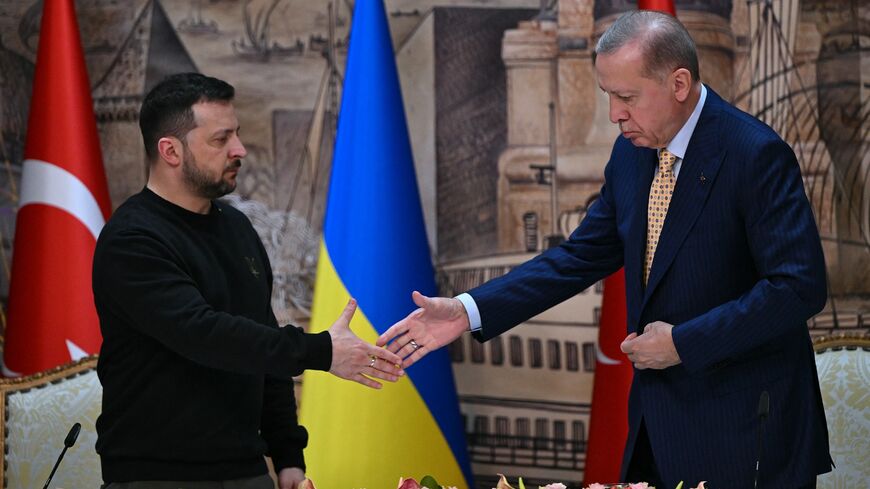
[375, 249]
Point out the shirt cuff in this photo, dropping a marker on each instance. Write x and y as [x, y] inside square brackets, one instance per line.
[471, 310]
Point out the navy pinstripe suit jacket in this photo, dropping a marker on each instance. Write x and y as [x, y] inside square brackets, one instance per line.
[738, 270]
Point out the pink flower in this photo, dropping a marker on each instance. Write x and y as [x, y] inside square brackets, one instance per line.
[639, 485]
[701, 485]
[596, 486]
[555, 485]
[408, 484]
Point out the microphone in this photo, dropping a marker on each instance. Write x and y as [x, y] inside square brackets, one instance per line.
[68, 442]
[763, 411]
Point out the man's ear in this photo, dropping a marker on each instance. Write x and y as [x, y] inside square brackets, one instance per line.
[170, 150]
[682, 83]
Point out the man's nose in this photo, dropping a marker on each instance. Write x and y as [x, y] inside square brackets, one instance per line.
[237, 150]
[617, 112]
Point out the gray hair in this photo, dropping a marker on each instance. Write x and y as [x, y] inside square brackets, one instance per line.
[666, 43]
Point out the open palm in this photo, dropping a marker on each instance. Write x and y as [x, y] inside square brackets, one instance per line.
[436, 322]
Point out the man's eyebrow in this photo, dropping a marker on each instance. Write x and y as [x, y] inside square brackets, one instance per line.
[225, 131]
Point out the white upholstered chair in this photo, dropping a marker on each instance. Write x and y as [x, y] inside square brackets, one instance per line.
[37, 412]
[843, 362]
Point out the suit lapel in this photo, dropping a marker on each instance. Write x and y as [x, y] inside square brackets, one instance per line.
[635, 245]
[697, 173]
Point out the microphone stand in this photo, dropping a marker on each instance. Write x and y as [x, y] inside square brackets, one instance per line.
[68, 442]
[763, 412]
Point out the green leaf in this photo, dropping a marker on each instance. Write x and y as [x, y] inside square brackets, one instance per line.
[522, 486]
[429, 482]
[680, 485]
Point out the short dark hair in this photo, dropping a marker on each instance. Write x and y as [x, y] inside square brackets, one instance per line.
[167, 109]
[666, 44]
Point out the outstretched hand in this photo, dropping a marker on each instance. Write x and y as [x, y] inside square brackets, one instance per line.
[437, 322]
[354, 359]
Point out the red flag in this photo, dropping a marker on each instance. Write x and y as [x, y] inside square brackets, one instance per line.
[64, 203]
[608, 425]
[666, 6]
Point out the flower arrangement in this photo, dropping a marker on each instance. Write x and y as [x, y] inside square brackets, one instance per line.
[429, 482]
[638, 485]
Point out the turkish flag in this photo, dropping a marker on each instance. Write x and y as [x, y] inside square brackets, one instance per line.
[666, 6]
[608, 425]
[64, 202]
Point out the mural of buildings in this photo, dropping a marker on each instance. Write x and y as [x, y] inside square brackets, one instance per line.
[502, 174]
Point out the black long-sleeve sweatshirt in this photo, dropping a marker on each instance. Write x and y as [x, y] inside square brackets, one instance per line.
[196, 373]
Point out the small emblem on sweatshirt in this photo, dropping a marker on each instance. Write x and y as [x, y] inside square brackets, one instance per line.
[252, 265]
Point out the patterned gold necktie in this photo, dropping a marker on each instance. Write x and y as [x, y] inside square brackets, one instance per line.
[659, 199]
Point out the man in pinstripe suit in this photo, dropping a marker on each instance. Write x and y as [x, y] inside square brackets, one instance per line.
[717, 297]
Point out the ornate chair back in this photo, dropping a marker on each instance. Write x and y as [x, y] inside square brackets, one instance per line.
[843, 363]
[37, 412]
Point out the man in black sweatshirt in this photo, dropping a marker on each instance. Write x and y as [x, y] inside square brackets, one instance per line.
[196, 373]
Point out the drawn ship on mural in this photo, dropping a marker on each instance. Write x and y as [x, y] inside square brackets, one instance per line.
[196, 23]
[257, 43]
[816, 98]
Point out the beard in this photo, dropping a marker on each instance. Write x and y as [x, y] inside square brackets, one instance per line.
[203, 184]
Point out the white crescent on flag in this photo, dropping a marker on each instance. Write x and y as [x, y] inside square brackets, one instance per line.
[49, 184]
[604, 359]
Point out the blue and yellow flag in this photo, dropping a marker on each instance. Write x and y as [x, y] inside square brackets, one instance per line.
[375, 249]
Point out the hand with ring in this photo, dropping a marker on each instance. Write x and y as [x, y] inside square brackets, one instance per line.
[437, 322]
